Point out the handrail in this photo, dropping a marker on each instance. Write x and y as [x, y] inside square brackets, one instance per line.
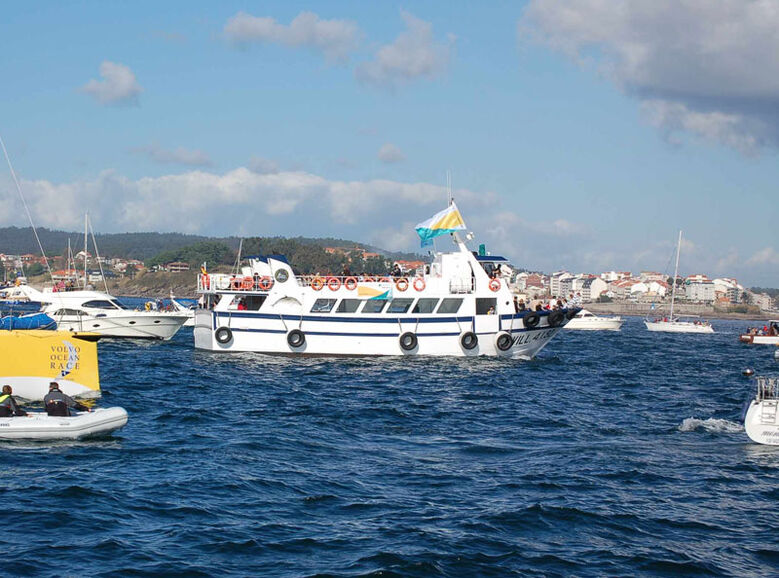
[767, 388]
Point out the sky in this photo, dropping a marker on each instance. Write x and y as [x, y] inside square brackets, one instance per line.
[580, 135]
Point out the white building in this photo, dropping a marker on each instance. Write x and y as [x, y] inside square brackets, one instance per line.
[702, 292]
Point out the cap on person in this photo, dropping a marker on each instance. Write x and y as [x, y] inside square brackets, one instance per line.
[54, 385]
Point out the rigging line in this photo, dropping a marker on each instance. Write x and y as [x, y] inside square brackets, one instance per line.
[97, 253]
[26, 208]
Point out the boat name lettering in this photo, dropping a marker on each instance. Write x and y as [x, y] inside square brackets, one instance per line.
[64, 349]
[524, 338]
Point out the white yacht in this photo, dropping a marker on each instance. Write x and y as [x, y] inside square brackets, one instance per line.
[586, 321]
[182, 309]
[762, 416]
[453, 307]
[101, 313]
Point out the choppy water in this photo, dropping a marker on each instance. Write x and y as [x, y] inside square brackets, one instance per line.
[611, 454]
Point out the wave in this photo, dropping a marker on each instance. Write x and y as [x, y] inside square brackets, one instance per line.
[711, 424]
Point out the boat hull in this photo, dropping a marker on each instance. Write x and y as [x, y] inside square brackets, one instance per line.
[595, 324]
[372, 337]
[762, 422]
[135, 326]
[759, 339]
[677, 327]
[39, 426]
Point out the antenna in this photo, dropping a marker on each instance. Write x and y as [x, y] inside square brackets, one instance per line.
[449, 188]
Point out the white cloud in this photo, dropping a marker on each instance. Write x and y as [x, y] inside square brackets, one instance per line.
[707, 68]
[263, 166]
[180, 156]
[767, 256]
[336, 39]
[389, 153]
[414, 54]
[117, 87]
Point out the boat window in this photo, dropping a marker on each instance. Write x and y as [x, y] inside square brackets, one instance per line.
[100, 304]
[484, 304]
[399, 305]
[348, 305]
[323, 305]
[68, 312]
[374, 305]
[425, 306]
[450, 305]
[254, 302]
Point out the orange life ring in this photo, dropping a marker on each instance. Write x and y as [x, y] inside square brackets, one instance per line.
[265, 283]
[494, 284]
[368, 280]
[247, 284]
[317, 283]
[350, 283]
[419, 284]
[334, 283]
[384, 280]
[401, 284]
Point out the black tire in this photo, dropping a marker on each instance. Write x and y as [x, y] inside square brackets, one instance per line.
[572, 313]
[223, 335]
[503, 341]
[469, 340]
[296, 338]
[531, 320]
[408, 341]
[556, 318]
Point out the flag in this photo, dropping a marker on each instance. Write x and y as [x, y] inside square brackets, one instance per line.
[371, 293]
[447, 221]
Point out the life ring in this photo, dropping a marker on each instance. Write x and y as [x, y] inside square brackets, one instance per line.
[531, 320]
[408, 341]
[247, 283]
[333, 283]
[223, 335]
[367, 280]
[555, 318]
[317, 283]
[504, 341]
[494, 284]
[265, 283]
[419, 284]
[384, 280]
[468, 340]
[401, 284]
[350, 283]
[205, 282]
[296, 338]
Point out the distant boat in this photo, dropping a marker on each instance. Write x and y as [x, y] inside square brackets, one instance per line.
[671, 324]
[586, 321]
[762, 417]
[759, 336]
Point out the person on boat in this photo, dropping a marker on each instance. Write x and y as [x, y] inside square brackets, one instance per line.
[58, 404]
[396, 272]
[8, 404]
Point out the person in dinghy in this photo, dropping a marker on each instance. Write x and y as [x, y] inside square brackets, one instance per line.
[9, 407]
[58, 404]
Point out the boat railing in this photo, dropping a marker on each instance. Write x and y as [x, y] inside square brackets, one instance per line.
[461, 285]
[210, 283]
[767, 388]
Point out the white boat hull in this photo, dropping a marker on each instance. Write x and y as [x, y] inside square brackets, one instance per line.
[137, 325]
[595, 323]
[266, 333]
[678, 327]
[39, 426]
[762, 422]
[759, 339]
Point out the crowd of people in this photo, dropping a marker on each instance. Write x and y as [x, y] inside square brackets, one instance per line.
[551, 304]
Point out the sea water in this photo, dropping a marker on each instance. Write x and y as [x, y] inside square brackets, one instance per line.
[610, 454]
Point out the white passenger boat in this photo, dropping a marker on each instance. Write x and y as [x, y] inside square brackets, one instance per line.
[671, 324]
[453, 308]
[586, 321]
[40, 426]
[762, 417]
[769, 335]
[98, 312]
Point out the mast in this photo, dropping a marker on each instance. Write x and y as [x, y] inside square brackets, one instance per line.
[86, 246]
[676, 272]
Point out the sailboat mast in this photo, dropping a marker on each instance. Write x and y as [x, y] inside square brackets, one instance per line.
[86, 216]
[676, 272]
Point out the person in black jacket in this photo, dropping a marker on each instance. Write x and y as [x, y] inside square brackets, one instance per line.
[8, 405]
[58, 404]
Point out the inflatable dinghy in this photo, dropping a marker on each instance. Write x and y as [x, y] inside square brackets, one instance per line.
[40, 426]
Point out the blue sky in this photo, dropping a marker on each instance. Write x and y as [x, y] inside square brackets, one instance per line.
[580, 134]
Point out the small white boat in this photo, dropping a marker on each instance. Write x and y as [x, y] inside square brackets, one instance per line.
[40, 426]
[676, 325]
[586, 321]
[762, 418]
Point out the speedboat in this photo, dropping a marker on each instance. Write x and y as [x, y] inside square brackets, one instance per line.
[182, 309]
[451, 307]
[101, 313]
[40, 426]
[762, 416]
[768, 335]
[586, 321]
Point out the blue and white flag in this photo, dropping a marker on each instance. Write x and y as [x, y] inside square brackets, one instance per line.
[447, 221]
